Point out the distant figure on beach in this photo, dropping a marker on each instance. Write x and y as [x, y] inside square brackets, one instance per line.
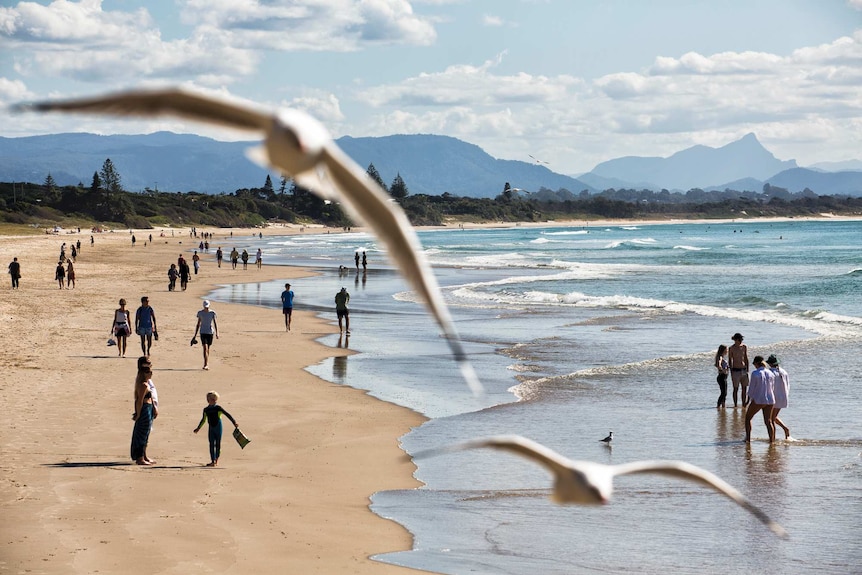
[364, 260]
[762, 397]
[146, 411]
[287, 305]
[219, 256]
[133, 240]
[173, 274]
[258, 258]
[342, 298]
[782, 391]
[15, 272]
[208, 327]
[60, 274]
[121, 327]
[145, 325]
[212, 415]
[185, 273]
[70, 275]
[723, 369]
[74, 251]
[196, 261]
[92, 241]
[738, 361]
[234, 257]
[78, 243]
[244, 259]
[356, 258]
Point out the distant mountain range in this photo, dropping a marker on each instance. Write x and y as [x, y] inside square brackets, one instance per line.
[428, 164]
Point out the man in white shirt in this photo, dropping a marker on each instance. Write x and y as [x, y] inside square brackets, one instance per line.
[761, 396]
[208, 327]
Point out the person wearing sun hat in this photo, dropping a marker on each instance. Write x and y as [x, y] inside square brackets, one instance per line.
[208, 328]
[781, 390]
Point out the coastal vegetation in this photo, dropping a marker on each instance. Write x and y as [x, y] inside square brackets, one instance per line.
[104, 203]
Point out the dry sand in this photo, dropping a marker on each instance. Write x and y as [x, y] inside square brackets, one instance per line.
[294, 501]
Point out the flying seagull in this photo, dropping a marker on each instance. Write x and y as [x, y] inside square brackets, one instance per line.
[609, 438]
[299, 146]
[538, 161]
[585, 482]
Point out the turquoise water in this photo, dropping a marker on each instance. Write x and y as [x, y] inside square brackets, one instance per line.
[577, 331]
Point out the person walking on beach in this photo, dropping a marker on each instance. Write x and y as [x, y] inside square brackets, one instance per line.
[212, 415]
[234, 258]
[356, 258]
[342, 298]
[145, 325]
[258, 258]
[70, 275]
[738, 361]
[761, 398]
[146, 411]
[287, 305]
[196, 262]
[185, 273]
[121, 327]
[219, 256]
[782, 391]
[173, 274]
[60, 274]
[15, 272]
[364, 261]
[244, 259]
[208, 327]
[723, 369]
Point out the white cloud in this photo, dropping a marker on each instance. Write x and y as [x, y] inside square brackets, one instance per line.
[82, 41]
[13, 91]
[323, 106]
[314, 25]
[493, 21]
[857, 4]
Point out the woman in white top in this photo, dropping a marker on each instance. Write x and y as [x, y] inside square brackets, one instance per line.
[781, 392]
[121, 327]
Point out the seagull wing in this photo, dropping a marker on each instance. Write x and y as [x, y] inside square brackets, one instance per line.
[389, 222]
[528, 448]
[687, 471]
[173, 101]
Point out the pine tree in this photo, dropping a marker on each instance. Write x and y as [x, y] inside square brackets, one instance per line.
[267, 186]
[374, 175]
[398, 189]
[110, 178]
[97, 183]
[50, 184]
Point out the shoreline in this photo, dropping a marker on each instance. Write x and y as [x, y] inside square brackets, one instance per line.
[296, 499]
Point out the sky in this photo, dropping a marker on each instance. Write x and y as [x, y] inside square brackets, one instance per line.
[568, 82]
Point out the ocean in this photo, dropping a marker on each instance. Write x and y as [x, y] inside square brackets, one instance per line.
[577, 331]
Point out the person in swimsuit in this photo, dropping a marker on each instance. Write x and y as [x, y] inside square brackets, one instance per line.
[70, 275]
[738, 361]
[723, 369]
[212, 415]
[121, 327]
[146, 410]
[342, 298]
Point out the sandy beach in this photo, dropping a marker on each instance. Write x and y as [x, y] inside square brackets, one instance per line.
[294, 501]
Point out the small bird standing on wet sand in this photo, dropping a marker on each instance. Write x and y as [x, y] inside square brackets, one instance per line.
[607, 440]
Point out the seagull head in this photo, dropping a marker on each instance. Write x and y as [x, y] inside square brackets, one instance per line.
[295, 141]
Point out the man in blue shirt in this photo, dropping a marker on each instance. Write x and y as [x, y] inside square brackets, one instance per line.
[145, 325]
[287, 305]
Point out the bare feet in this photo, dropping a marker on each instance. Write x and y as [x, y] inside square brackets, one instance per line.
[211, 464]
[142, 462]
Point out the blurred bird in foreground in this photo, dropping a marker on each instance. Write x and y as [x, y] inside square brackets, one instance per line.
[299, 146]
[585, 482]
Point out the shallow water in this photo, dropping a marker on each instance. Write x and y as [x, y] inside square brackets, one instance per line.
[577, 331]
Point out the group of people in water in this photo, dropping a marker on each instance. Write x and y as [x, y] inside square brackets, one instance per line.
[766, 389]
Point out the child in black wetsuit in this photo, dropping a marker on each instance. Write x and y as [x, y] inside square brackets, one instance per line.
[212, 415]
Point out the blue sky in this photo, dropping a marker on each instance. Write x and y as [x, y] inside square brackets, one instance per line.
[571, 82]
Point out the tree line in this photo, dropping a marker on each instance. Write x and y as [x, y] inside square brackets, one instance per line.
[104, 202]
